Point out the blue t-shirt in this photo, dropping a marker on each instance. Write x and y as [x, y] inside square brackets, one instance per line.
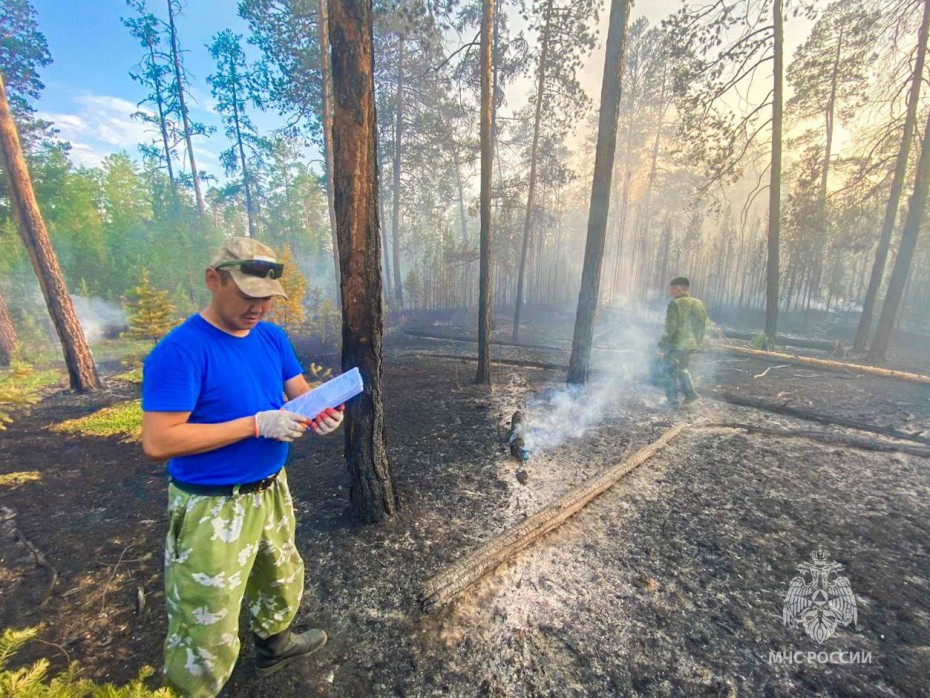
[218, 377]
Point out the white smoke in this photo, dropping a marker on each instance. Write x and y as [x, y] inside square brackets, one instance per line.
[99, 318]
[619, 367]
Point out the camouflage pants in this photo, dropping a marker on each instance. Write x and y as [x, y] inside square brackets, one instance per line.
[220, 550]
[678, 377]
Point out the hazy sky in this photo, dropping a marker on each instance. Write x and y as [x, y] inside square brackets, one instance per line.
[90, 96]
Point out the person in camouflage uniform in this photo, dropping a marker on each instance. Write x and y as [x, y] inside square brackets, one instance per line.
[686, 324]
[211, 397]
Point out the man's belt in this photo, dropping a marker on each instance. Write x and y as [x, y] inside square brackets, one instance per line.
[225, 490]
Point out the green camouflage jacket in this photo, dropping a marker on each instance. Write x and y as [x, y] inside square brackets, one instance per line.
[686, 324]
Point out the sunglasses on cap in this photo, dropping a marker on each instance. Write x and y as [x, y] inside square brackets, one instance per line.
[261, 268]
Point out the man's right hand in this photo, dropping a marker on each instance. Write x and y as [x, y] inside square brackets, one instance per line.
[280, 425]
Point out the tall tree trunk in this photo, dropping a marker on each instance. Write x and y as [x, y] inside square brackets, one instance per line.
[600, 192]
[80, 363]
[395, 194]
[771, 273]
[463, 220]
[163, 125]
[902, 263]
[531, 189]
[328, 132]
[385, 242]
[897, 186]
[249, 210]
[487, 151]
[355, 176]
[8, 338]
[185, 119]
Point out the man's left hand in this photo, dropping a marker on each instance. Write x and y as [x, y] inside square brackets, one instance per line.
[327, 421]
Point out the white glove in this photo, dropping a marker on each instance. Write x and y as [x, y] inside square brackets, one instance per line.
[280, 425]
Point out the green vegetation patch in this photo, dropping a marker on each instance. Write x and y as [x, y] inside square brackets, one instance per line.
[35, 681]
[133, 375]
[20, 386]
[20, 478]
[123, 419]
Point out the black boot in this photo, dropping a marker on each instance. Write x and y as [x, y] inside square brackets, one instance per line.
[276, 652]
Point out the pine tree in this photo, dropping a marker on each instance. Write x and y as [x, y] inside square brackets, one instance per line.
[289, 312]
[151, 313]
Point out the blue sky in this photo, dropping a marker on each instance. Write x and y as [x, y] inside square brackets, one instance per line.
[88, 92]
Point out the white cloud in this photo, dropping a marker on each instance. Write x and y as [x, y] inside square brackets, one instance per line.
[99, 126]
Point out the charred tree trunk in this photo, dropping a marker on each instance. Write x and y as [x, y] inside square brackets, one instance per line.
[487, 151]
[328, 132]
[80, 363]
[600, 193]
[8, 338]
[355, 176]
[897, 187]
[531, 189]
[902, 263]
[771, 273]
[182, 107]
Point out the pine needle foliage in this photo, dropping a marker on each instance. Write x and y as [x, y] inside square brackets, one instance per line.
[151, 312]
[19, 388]
[34, 682]
[289, 312]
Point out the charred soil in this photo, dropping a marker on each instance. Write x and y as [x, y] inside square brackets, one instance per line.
[670, 583]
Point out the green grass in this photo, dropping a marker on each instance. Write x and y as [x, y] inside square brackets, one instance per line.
[124, 419]
[123, 349]
[133, 375]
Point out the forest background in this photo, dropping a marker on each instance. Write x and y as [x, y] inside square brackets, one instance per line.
[218, 129]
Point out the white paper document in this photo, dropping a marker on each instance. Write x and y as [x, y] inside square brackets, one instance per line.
[331, 394]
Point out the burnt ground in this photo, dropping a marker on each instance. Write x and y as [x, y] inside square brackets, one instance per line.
[670, 583]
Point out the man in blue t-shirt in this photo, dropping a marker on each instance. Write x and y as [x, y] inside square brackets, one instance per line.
[211, 397]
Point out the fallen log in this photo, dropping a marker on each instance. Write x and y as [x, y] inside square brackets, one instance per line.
[443, 587]
[504, 362]
[807, 415]
[820, 363]
[829, 439]
[785, 341]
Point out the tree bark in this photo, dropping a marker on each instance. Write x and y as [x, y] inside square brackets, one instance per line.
[8, 338]
[80, 363]
[902, 263]
[487, 152]
[185, 119]
[531, 190]
[771, 273]
[249, 209]
[395, 193]
[328, 133]
[897, 187]
[611, 89]
[355, 178]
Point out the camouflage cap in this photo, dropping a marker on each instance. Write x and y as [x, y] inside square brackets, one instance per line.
[236, 248]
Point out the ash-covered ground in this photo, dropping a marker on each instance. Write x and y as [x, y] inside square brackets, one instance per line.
[670, 583]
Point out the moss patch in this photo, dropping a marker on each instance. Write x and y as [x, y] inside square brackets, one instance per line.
[123, 419]
[17, 479]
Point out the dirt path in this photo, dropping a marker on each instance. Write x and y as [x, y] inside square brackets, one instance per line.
[672, 582]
